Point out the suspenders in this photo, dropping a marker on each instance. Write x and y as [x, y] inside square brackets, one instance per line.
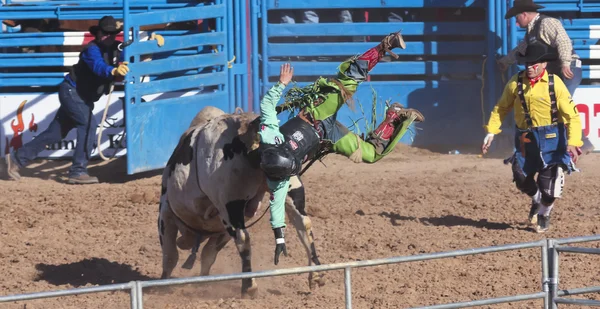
[553, 107]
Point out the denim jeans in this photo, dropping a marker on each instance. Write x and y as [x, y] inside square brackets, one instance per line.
[574, 82]
[72, 113]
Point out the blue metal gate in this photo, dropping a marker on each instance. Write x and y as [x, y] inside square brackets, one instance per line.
[200, 71]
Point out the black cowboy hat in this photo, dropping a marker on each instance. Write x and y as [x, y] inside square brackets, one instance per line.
[107, 24]
[536, 53]
[521, 6]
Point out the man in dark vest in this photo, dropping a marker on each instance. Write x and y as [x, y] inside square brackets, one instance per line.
[548, 133]
[99, 64]
[548, 31]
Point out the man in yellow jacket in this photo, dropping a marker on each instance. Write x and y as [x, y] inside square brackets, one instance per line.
[548, 133]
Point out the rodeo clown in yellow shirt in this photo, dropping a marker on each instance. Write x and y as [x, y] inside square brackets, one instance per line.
[548, 133]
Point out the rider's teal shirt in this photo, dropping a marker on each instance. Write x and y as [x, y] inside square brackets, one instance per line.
[269, 134]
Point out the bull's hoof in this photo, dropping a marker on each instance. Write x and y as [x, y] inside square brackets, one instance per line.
[316, 280]
[251, 292]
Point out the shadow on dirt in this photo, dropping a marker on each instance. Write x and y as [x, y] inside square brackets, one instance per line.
[100, 271]
[96, 271]
[449, 221]
[113, 171]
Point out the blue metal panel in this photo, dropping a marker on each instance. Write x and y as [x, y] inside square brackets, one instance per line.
[359, 4]
[386, 68]
[178, 64]
[230, 52]
[377, 28]
[27, 60]
[153, 127]
[343, 49]
[490, 84]
[177, 15]
[181, 42]
[84, 9]
[243, 59]
[255, 14]
[183, 82]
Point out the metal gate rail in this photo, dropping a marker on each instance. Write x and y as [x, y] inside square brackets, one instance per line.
[550, 293]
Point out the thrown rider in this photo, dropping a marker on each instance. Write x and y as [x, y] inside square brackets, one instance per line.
[304, 137]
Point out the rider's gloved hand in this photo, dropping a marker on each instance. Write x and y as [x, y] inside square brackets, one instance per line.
[279, 244]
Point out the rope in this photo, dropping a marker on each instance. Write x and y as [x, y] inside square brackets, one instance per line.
[112, 87]
[253, 223]
[481, 91]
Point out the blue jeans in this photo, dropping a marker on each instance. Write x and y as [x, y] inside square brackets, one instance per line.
[73, 113]
[574, 82]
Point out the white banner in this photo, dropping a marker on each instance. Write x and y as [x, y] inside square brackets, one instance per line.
[588, 104]
[26, 116]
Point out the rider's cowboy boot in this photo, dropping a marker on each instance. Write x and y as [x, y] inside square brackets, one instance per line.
[373, 55]
[394, 116]
[393, 40]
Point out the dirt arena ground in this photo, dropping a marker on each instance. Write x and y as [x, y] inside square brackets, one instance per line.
[54, 236]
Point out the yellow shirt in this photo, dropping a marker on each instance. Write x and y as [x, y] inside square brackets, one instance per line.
[538, 103]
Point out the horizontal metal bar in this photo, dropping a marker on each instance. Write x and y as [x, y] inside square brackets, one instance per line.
[175, 43]
[577, 250]
[119, 2]
[342, 49]
[592, 289]
[409, 85]
[376, 28]
[177, 64]
[337, 266]
[587, 302]
[219, 96]
[71, 13]
[47, 294]
[30, 82]
[175, 15]
[489, 301]
[580, 239]
[560, 7]
[385, 68]
[183, 82]
[74, 38]
[360, 4]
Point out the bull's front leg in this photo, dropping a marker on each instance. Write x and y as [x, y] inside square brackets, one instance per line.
[237, 229]
[295, 209]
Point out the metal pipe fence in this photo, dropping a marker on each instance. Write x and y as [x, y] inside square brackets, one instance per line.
[550, 249]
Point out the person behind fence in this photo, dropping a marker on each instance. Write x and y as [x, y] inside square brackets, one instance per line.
[314, 131]
[85, 83]
[548, 134]
[550, 32]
